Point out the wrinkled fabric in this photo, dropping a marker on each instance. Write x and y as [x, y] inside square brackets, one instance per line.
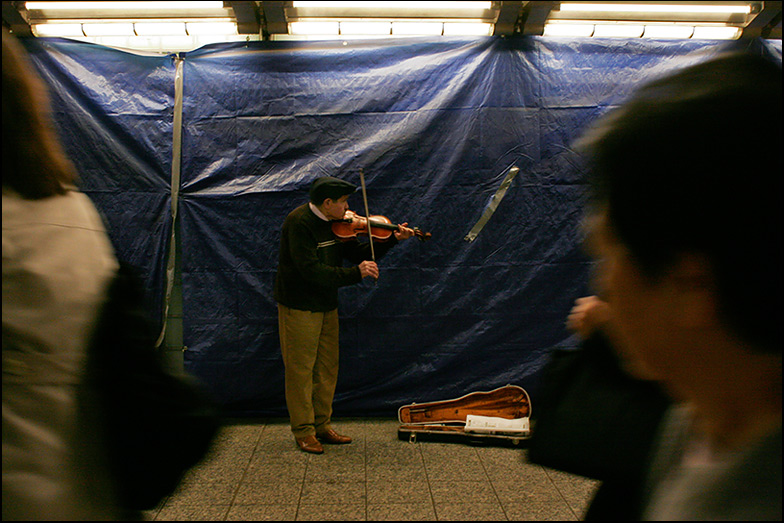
[114, 115]
[435, 123]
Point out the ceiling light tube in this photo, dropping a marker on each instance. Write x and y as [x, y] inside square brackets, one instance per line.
[211, 28]
[573, 30]
[365, 28]
[668, 31]
[63, 30]
[394, 5]
[314, 28]
[714, 32]
[160, 29]
[467, 29]
[111, 29]
[618, 31]
[620, 7]
[417, 28]
[135, 6]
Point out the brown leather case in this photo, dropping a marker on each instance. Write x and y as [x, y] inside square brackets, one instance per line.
[447, 418]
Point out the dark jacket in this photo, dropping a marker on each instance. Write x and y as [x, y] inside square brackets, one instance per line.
[310, 267]
[595, 420]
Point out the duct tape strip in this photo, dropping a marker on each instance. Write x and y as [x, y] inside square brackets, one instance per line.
[175, 190]
[493, 205]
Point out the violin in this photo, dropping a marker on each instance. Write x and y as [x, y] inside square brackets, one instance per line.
[381, 227]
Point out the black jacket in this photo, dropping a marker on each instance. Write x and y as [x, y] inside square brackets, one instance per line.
[310, 267]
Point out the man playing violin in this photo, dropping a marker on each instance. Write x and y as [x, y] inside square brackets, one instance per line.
[310, 271]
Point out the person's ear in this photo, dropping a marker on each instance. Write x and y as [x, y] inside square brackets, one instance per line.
[694, 292]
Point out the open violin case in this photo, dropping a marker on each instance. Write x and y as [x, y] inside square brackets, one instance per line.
[496, 417]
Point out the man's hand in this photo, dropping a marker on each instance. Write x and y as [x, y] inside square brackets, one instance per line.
[368, 268]
[587, 315]
[403, 232]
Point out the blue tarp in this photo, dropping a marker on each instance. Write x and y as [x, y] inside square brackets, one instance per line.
[434, 123]
[114, 114]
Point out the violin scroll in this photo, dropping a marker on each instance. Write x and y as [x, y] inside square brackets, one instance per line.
[421, 236]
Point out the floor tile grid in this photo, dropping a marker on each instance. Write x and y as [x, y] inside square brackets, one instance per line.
[488, 483]
[255, 472]
[398, 484]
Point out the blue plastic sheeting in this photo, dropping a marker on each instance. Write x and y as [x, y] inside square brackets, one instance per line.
[434, 123]
[114, 114]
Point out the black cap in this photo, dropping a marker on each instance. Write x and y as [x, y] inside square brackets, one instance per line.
[329, 187]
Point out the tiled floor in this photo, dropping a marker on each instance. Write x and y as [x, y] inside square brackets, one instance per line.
[255, 472]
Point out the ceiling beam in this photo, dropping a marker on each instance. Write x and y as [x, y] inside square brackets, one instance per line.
[247, 16]
[767, 23]
[508, 18]
[274, 18]
[535, 15]
[15, 18]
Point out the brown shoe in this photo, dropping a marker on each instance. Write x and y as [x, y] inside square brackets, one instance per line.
[310, 444]
[333, 438]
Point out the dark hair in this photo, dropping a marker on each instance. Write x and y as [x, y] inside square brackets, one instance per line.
[34, 162]
[693, 163]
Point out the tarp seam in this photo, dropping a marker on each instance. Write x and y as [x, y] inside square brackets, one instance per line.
[175, 189]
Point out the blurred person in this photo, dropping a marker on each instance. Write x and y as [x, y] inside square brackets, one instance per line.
[57, 263]
[594, 418]
[310, 272]
[686, 229]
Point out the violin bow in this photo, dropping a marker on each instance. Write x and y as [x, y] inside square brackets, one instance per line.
[367, 212]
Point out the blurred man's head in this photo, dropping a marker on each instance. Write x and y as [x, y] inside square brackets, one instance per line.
[687, 186]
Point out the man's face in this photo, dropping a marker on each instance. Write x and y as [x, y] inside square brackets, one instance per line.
[335, 209]
[640, 307]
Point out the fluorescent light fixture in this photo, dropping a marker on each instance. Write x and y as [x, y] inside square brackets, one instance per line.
[679, 31]
[314, 28]
[668, 31]
[663, 7]
[178, 42]
[716, 32]
[467, 29]
[108, 29]
[135, 6]
[160, 29]
[583, 30]
[417, 28]
[122, 42]
[618, 30]
[151, 27]
[365, 28]
[63, 30]
[146, 43]
[211, 28]
[395, 5]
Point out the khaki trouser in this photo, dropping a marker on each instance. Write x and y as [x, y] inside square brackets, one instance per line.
[309, 345]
